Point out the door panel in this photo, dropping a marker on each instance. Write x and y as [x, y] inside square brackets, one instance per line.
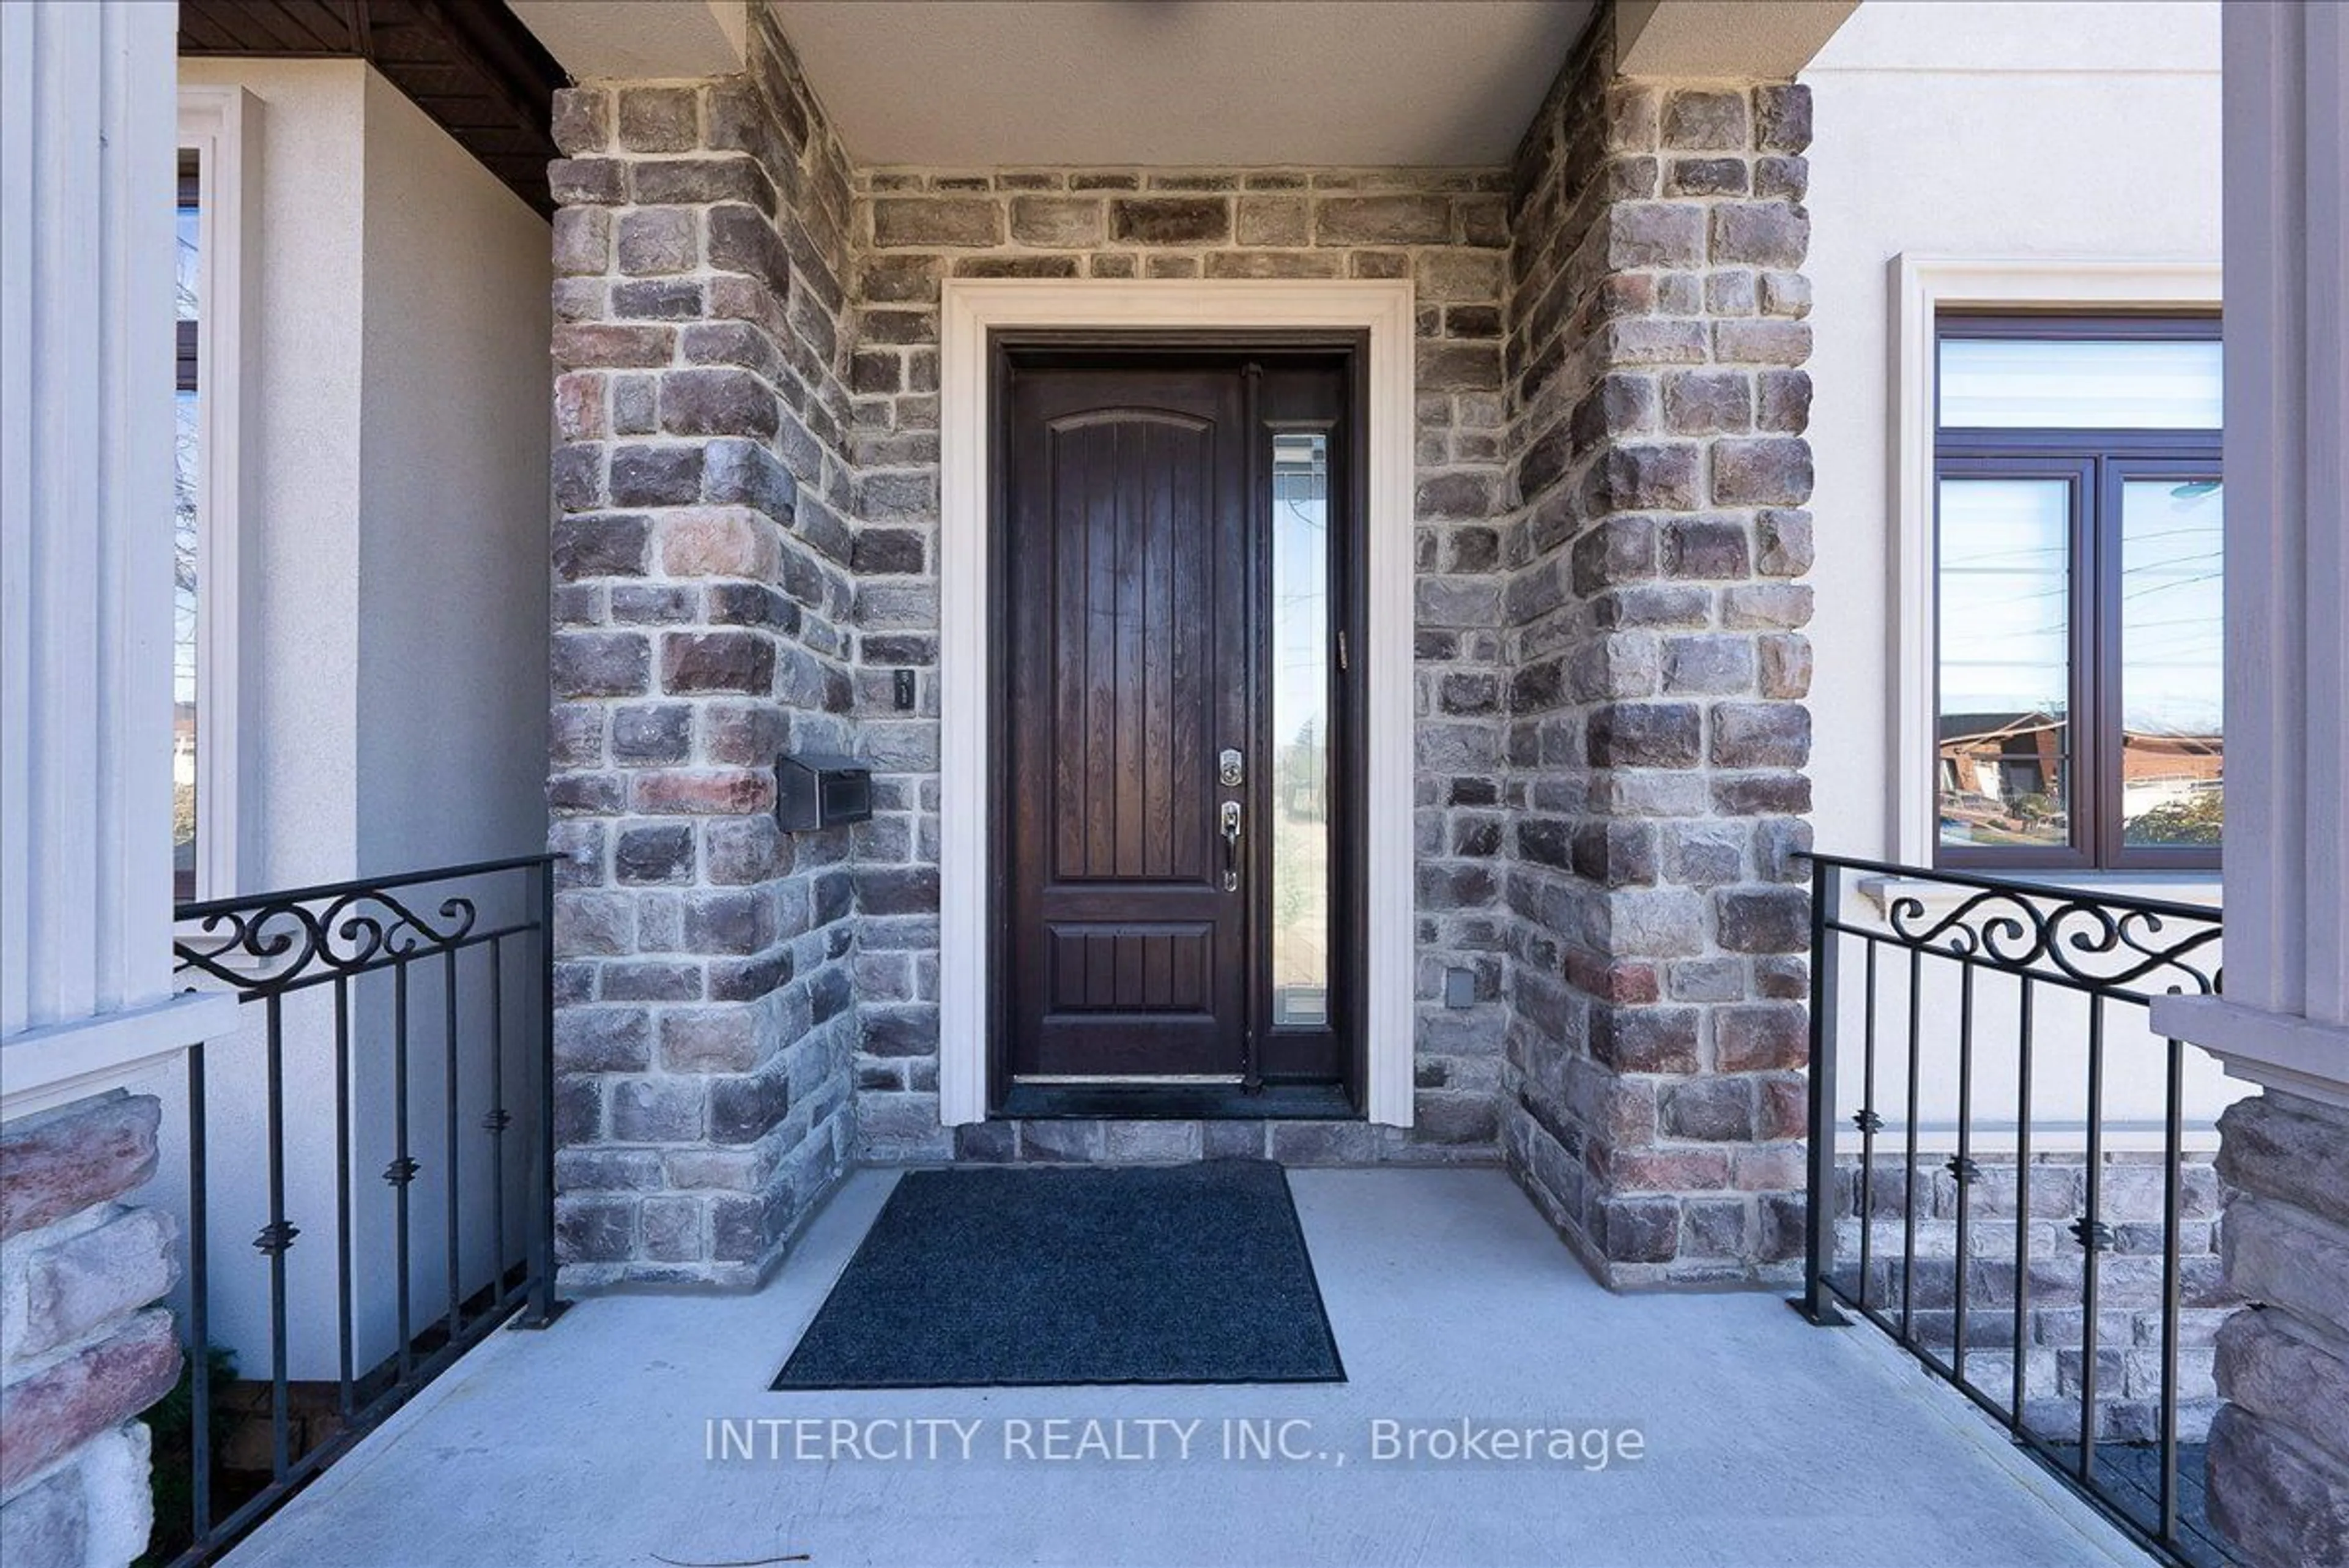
[1131, 967]
[1126, 487]
[1128, 617]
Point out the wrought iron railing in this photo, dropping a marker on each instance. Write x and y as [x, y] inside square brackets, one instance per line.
[401, 1023]
[2048, 1252]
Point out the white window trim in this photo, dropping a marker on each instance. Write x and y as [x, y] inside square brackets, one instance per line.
[1923, 287]
[220, 125]
[971, 308]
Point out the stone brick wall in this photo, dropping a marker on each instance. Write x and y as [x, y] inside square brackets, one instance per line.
[2280, 1445]
[1446, 231]
[83, 1349]
[704, 558]
[2128, 1282]
[1657, 731]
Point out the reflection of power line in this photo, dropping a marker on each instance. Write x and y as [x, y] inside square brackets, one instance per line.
[2144, 589]
[1959, 562]
[2061, 627]
[1975, 557]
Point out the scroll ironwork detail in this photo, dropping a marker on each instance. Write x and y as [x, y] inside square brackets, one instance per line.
[2102, 944]
[270, 944]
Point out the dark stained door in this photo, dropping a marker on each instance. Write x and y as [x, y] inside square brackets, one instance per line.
[1176, 896]
[1128, 591]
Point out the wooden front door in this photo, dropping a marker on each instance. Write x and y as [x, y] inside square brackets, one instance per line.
[1139, 504]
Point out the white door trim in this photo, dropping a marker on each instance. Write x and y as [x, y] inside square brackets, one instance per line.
[971, 309]
[1921, 286]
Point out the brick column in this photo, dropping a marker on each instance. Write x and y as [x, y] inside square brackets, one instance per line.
[83, 1350]
[706, 1019]
[1658, 729]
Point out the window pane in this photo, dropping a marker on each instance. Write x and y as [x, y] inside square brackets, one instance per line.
[2172, 785]
[2146, 384]
[185, 470]
[2005, 750]
[1301, 730]
[186, 272]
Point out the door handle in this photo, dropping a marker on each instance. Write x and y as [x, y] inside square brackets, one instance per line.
[1231, 828]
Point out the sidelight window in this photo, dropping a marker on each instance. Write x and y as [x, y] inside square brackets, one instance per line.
[1301, 707]
[212, 308]
[187, 521]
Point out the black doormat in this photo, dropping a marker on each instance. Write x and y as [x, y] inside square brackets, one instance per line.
[1188, 1273]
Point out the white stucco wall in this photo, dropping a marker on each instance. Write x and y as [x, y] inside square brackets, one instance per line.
[454, 461]
[1995, 130]
[402, 490]
[1988, 131]
[394, 607]
[450, 671]
[299, 601]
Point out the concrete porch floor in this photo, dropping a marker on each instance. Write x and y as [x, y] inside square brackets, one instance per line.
[1767, 1441]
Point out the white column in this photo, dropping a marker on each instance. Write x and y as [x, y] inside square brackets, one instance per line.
[2279, 1450]
[87, 167]
[2284, 1020]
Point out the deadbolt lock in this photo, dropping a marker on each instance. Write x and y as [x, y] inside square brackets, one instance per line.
[1228, 772]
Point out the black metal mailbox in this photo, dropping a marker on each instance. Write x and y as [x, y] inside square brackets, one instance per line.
[821, 789]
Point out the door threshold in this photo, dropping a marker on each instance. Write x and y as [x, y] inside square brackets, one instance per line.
[1171, 1101]
[1127, 1080]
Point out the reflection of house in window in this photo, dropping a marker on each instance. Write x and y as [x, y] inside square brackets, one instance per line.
[2173, 789]
[2169, 765]
[2000, 776]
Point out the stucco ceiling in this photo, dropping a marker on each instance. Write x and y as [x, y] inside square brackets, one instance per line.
[973, 83]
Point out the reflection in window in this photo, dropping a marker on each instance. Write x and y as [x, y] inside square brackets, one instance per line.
[2078, 466]
[1300, 728]
[185, 535]
[2172, 785]
[2005, 623]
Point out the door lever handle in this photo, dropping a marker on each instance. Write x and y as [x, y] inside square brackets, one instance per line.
[1231, 828]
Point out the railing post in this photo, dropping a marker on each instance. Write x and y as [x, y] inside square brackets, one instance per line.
[1819, 1218]
[543, 1308]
